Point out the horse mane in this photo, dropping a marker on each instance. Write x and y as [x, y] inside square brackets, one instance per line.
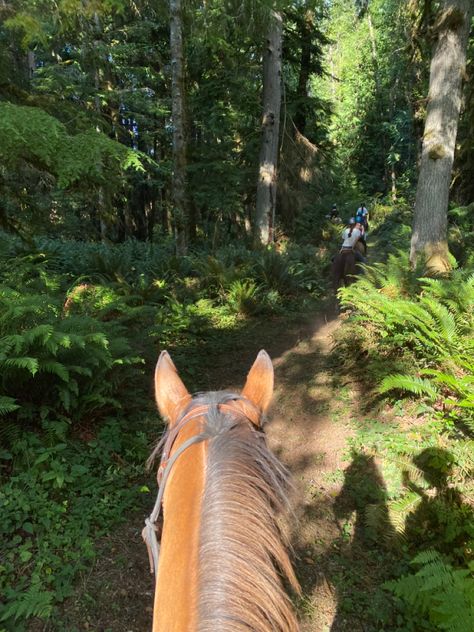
[243, 545]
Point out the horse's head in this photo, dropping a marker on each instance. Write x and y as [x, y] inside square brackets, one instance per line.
[173, 398]
[219, 487]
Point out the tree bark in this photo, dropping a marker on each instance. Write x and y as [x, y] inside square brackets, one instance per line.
[178, 113]
[267, 178]
[448, 62]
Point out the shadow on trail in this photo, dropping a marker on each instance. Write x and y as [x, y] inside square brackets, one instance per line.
[361, 549]
[442, 520]
[216, 357]
[367, 550]
[353, 563]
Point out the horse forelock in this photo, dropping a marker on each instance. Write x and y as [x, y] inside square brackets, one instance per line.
[211, 398]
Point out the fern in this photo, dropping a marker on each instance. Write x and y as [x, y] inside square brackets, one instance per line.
[414, 385]
[32, 603]
[399, 510]
[56, 366]
[243, 297]
[429, 321]
[438, 593]
[7, 405]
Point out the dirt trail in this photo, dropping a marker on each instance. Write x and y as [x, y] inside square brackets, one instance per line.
[308, 428]
[309, 432]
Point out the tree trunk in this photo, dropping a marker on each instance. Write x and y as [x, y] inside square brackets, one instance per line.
[101, 195]
[178, 113]
[267, 178]
[307, 29]
[429, 236]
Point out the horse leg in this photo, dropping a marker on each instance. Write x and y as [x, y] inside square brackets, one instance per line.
[337, 271]
[349, 269]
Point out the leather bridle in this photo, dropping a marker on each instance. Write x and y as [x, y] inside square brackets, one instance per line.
[248, 412]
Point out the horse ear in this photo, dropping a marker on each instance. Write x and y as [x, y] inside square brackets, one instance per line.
[259, 385]
[170, 393]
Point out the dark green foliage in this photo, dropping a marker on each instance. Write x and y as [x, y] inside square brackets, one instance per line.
[461, 234]
[37, 144]
[57, 495]
[56, 364]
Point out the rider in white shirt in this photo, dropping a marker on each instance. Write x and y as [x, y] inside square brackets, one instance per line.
[350, 235]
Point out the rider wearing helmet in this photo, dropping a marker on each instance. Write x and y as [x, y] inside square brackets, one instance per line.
[353, 240]
[363, 214]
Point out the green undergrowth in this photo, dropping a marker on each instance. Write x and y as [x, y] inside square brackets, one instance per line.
[59, 493]
[407, 344]
[81, 326]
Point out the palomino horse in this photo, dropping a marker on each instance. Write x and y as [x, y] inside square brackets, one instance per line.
[223, 547]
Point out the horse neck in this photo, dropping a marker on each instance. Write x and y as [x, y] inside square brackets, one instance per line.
[242, 549]
[175, 607]
[223, 549]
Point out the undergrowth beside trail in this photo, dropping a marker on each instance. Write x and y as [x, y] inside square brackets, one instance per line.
[407, 344]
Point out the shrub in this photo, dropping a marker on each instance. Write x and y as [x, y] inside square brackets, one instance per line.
[242, 297]
[58, 367]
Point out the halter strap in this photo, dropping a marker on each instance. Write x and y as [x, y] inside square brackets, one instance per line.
[149, 533]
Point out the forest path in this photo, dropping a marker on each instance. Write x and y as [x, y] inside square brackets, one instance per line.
[308, 427]
[308, 430]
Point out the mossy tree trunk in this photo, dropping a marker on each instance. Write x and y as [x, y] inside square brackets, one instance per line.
[429, 236]
[267, 177]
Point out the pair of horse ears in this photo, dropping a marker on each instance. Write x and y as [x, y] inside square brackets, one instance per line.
[172, 396]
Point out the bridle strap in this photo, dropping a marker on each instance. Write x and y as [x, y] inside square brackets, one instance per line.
[149, 533]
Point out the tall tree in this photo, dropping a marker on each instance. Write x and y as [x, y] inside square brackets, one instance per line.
[267, 176]
[178, 112]
[448, 62]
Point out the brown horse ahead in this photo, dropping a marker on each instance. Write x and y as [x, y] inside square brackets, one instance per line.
[343, 269]
[223, 550]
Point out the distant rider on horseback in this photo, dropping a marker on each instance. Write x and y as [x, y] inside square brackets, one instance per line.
[343, 269]
[362, 216]
[354, 239]
[334, 215]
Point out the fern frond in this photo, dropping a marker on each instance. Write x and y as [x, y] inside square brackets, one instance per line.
[414, 385]
[56, 368]
[30, 364]
[400, 509]
[7, 405]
